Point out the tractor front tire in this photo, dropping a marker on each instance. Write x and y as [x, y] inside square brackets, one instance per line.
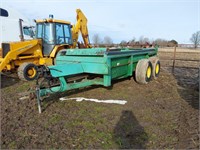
[143, 72]
[27, 72]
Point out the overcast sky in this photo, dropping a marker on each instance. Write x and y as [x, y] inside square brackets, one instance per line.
[121, 19]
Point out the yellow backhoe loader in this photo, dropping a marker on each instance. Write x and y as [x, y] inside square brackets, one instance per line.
[52, 35]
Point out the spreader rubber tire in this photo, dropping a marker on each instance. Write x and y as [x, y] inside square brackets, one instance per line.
[143, 72]
[156, 66]
[27, 72]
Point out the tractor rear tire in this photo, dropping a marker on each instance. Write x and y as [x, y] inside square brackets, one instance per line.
[143, 72]
[156, 66]
[27, 72]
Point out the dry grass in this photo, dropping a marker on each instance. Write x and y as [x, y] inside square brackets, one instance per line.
[179, 49]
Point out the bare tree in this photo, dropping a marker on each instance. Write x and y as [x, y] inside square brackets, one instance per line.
[161, 42]
[143, 40]
[96, 39]
[132, 42]
[195, 39]
[123, 43]
[108, 41]
[172, 43]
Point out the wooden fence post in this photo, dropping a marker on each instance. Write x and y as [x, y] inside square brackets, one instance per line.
[174, 59]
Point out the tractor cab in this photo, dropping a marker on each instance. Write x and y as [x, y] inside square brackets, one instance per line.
[53, 32]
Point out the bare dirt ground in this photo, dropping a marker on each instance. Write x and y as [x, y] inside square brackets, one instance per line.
[162, 114]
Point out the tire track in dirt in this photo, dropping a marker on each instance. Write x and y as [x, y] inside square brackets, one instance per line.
[187, 78]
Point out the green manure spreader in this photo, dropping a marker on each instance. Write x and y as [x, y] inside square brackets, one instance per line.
[77, 68]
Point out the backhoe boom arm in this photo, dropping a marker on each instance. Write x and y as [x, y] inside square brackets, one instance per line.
[80, 26]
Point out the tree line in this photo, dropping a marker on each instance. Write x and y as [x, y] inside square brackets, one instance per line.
[142, 41]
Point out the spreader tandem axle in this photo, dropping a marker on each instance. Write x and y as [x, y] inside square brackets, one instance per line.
[76, 68]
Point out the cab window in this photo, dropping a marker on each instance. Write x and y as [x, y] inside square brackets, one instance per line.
[59, 34]
[45, 32]
[48, 33]
[63, 34]
[39, 31]
[67, 34]
[28, 31]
